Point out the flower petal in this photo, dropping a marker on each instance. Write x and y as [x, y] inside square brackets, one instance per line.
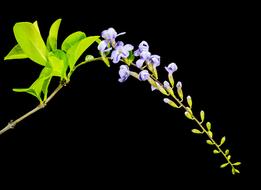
[139, 63]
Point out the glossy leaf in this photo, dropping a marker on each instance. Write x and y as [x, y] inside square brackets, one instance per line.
[72, 39]
[77, 50]
[31, 42]
[16, 53]
[202, 115]
[237, 171]
[58, 62]
[224, 165]
[53, 35]
[35, 89]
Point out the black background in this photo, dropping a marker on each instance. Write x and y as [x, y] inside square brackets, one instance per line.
[100, 132]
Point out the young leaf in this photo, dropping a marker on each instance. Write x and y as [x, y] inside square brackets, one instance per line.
[196, 131]
[188, 115]
[53, 35]
[46, 75]
[35, 89]
[215, 151]
[202, 115]
[77, 50]
[189, 101]
[237, 163]
[72, 39]
[208, 124]
[31, 42]
[210, 142]
[224, 165]
[222, 140]
[58, 62]
[227, 152]
[16, 53]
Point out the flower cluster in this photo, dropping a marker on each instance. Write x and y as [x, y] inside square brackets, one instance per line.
[146, 64]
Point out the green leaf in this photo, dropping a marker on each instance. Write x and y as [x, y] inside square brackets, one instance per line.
[106, 60]
[208, 124]
[72, 39]
[130, 59]
[188, 115]
[189, 100]
[89, 58]
[46, 75]
[58, 62]
[224, 165]
[202, 115]
[233, 171]
[215, 151]
[35, 89]
[210, 142]
[196, 131]
[31, 42]
[237, 163]
[77, 50]
[16, 53]
[53, 35]
[227, 152]
[222, 140]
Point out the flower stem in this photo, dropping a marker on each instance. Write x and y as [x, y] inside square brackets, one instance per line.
[205, 131]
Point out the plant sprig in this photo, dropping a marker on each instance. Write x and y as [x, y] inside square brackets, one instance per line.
[60, 63]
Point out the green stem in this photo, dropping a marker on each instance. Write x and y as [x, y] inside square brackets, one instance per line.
[82, 63]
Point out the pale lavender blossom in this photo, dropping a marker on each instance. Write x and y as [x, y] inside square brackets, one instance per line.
[121, 51]
[124, 73]
[171, 68]
[143, 46]
[144, 75]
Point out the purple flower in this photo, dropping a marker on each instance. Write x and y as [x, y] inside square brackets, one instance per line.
[171, 68]
[166, 85]
[179, 85]
[143, 46]
[124, 73]
[121, 51]
[144, 56]
[109, 39]
[155, 60]
[144, 75]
